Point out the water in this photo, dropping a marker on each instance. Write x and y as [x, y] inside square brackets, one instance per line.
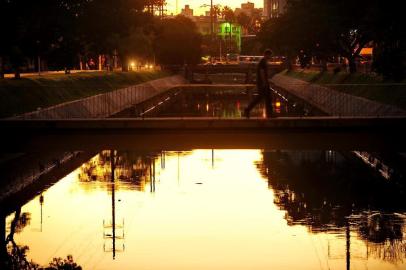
[215, 102]
[221, 209]
[217, 209]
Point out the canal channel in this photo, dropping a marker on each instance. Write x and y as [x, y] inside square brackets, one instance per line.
[215, 208]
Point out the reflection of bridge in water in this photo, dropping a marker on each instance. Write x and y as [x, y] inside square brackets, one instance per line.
[343, 133]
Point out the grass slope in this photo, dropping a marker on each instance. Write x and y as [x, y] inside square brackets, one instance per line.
[28, 94]
[362, 85]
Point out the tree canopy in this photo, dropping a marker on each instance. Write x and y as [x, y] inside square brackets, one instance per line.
[65, 33]
[178, 41]
[327, 28]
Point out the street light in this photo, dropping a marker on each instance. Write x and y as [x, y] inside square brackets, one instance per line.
[211, 19]
[211, 22]
[39, 58]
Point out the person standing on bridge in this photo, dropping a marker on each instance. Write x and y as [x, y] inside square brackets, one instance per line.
[262, 86]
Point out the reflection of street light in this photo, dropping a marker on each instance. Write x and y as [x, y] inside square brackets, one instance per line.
[41, 202]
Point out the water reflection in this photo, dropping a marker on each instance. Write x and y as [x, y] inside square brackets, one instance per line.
[216, 209]
[327, 192]
[216, 102]
[14, 256]
[132, 170]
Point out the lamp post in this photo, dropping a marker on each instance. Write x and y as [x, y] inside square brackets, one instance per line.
[211, 20]
[39, 58]
[212, 32]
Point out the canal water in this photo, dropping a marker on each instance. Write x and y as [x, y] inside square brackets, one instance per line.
[216, 101]
[216, 209]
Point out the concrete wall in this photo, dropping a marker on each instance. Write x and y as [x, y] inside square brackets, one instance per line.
[106, 104]
[98, 106]
[334, 102]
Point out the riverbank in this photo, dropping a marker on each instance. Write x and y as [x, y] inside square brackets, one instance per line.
[361, 85]
[29, 94]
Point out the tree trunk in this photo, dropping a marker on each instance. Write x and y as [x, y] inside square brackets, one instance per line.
[288, 63]
[124, 64]
[1, 68]
[3, 248]
[17, 74]
[351, 64]
[323, 64]
[110, 62]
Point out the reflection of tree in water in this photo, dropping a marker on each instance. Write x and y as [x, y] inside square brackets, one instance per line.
[385, 231]
[15, 257]
[132, 168]
[323, 190]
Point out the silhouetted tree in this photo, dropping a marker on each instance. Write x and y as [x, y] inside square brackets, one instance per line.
[326, 28]
[16, 257]
[178, 42]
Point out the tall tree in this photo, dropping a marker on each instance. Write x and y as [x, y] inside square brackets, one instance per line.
[245, 21]
[324, 27]
[390, 40]
[177, 42]
[108, 24]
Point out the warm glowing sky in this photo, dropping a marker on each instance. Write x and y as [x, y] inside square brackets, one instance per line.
[195, 4]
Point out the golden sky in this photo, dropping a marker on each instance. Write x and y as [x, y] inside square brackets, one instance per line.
[196, 4]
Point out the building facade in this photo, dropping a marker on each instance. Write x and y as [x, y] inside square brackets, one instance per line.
[187, 11]
[229, 33]
[274, 8]
[249, 9]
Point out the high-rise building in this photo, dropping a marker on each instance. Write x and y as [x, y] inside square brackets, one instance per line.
[249, 9]
[274, 8]
[187, 11]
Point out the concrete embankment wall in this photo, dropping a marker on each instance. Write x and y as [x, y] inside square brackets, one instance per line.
[334, 102]
[98, 106]
[106, 104]
[25, 187]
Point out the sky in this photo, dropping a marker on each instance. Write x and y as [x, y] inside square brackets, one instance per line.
[195, 4]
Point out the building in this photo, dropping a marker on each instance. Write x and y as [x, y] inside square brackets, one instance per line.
[255, 15]
[274, 8]
[249, 9]
[187, 11]
[230, 33]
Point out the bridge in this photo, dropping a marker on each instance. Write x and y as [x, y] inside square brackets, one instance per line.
[324, 133]
[247, 69]
[86, 124]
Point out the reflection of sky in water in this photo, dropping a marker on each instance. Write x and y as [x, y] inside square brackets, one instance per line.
[204, 214]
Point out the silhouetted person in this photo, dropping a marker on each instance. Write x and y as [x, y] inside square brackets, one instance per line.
[262, 86]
